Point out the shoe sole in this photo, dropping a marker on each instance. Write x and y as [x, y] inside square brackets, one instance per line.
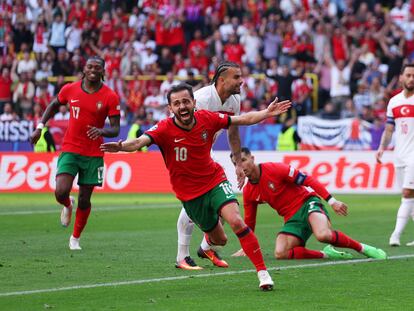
[189, 268]
[266, 288]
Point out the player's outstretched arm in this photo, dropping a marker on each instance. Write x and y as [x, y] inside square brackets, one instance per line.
[50, 111]
[129, 145]
[274, 109]
[385, 140]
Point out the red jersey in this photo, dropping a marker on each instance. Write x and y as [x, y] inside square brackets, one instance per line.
[187, 153]
[86, 109]
[283, 187]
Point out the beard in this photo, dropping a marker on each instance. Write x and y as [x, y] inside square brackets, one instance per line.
[187, 119]
[409, 88]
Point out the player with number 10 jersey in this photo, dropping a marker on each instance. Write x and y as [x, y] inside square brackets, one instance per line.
[185, 153]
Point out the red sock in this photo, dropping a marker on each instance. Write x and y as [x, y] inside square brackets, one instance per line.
[251, 247]
[80, 221]
[342, 240]
[300, 252]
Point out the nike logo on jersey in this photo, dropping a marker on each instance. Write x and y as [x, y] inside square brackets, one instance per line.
[178, 140]
[74, 101]
[258, 198]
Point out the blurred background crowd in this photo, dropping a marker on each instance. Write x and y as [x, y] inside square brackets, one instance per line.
[333, 59]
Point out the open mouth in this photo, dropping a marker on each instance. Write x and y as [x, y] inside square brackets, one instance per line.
[184, 114]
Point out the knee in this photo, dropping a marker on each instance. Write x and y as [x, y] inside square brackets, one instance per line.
[281, 254]
[184, 221]
[324, 235]
[61, 195]
[236, 224]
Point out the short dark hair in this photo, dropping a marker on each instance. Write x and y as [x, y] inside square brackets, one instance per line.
[244, 150]
[222, 67]
[178, 88]
[98, 59]
[406, 66]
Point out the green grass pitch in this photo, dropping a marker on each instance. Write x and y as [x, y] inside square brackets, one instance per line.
[129, 248]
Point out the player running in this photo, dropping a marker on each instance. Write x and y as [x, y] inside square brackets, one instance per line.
[285, 189]
[222, 95]
[90, 102]
[199, 182]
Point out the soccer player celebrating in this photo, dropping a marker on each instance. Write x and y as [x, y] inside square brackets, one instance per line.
[284, 189]
[90, 103]
[198, 181]
[223, 95]
[400, 117]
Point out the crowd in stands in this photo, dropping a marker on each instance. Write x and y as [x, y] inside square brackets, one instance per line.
[334, 59]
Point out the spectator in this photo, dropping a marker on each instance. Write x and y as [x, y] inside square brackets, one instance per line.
[5, 87]
[362, 98]
[23, 94]
[73, 36]
[62, 66]
[57, 36]
[62, 114]
[8, 113]
[26, 64]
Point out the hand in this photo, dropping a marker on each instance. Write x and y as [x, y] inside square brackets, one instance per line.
[35, 136]
[340, 208]
[378, 155]
[111, 147]
[240, 176]
[93, 132]
[239, 253]
[276, 108]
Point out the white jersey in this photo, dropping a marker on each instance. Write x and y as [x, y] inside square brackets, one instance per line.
[207, 98]
[400, 111]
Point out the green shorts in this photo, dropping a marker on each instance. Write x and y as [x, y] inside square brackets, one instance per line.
[299, 225]
[204, 210]
[90, 169]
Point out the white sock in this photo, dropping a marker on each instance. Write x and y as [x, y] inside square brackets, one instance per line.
[404, 212]
[184, 230]
[205, 246]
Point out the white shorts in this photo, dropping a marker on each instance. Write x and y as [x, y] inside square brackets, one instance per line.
[405, 176]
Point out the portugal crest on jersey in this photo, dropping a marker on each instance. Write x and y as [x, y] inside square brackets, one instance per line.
[204, 135]
[271, 186]
[99, 105]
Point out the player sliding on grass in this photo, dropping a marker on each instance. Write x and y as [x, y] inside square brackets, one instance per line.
[284, 189]
[198, 181]
[90, 103]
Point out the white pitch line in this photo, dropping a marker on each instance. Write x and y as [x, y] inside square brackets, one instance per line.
[175, 278]
[97, 209]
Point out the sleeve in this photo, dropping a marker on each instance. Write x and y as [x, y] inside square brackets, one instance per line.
[301, 179]
[250, 210]
[390, 114]
[219, 120]
[114, 106]
[62, 96]
[154, 133]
